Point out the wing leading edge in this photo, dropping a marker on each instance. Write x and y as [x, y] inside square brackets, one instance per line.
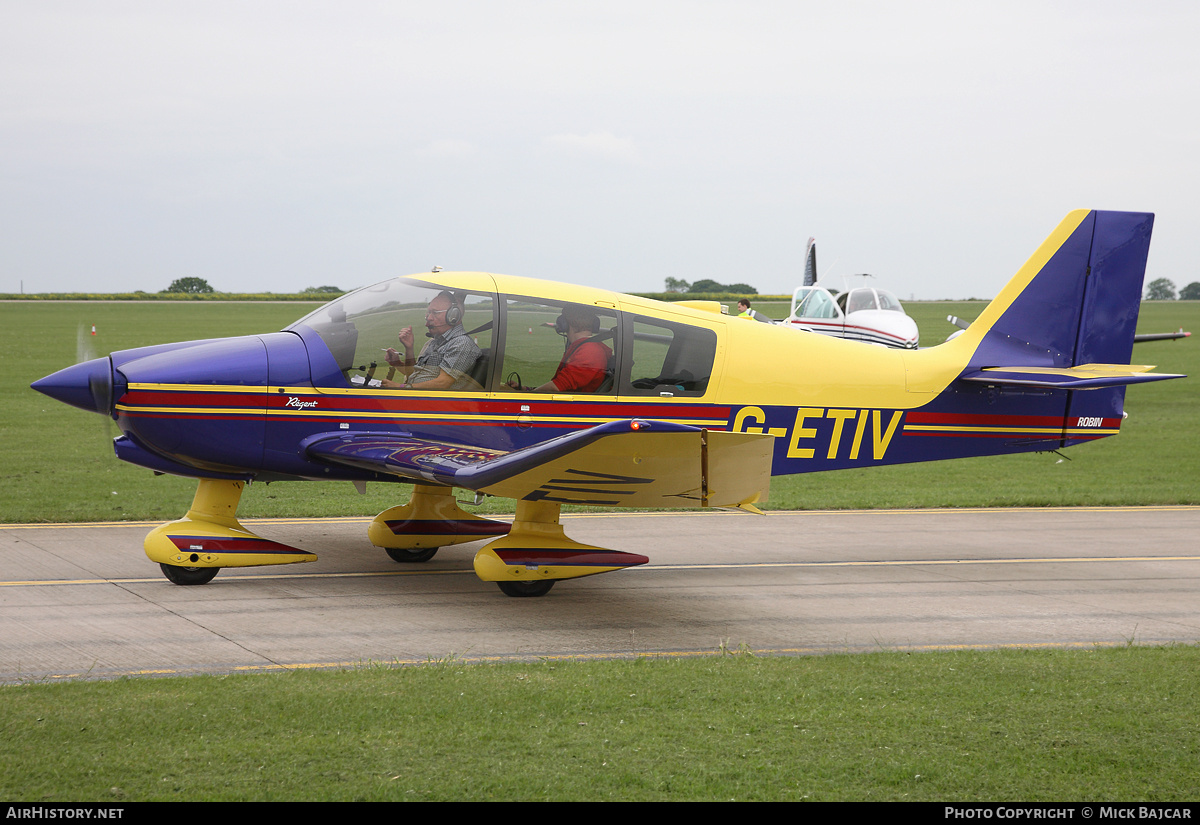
[627, 463]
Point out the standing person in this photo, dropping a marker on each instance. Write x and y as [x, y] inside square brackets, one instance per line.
[445, 362]
[744, 311]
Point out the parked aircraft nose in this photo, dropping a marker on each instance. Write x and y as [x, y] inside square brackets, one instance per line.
[88, 386]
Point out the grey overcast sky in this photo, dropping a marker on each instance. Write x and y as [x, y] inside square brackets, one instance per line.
[272, 146]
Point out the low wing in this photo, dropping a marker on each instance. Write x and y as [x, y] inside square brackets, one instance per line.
[1082, 377]
[629, 463]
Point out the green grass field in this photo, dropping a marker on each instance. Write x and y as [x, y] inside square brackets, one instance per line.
[1104, 725]
[59, 464]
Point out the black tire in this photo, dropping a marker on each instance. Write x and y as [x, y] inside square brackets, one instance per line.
[526, 589]
[188, 576]
[404, 556]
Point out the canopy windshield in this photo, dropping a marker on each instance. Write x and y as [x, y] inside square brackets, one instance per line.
[358, 328]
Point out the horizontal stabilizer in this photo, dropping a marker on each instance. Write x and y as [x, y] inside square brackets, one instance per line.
[1160, 336]
[1083, 377]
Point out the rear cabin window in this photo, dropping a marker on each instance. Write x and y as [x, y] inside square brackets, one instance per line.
[668, 358]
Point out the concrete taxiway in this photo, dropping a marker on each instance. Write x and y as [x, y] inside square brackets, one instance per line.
[80, 601]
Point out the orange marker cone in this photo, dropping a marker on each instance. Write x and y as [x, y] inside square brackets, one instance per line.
[93, 329]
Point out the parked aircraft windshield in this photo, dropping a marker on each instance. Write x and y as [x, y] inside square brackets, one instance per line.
[813, 302]
[863, 298]
[888, 301]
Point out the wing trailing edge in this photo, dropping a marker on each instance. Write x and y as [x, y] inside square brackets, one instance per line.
[626, 463]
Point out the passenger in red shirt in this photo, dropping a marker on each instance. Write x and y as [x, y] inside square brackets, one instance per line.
[585, 364]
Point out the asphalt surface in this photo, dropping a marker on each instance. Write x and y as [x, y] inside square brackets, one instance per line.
[82, 601]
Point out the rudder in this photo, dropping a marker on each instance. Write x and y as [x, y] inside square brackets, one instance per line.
[1113, 292]
[1081, 305]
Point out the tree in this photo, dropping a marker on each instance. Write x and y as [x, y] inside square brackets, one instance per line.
[706, 285]
[1191, 292]
[322, 290]
[741, 289]
[676, 285]
[1160, 290]
[196, 285]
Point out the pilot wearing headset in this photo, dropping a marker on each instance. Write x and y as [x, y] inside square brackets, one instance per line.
[585, 364]
[445, 361]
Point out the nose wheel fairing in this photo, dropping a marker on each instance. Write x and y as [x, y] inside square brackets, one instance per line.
[211, 536]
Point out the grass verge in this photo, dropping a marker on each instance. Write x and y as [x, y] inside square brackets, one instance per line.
[1015, 725]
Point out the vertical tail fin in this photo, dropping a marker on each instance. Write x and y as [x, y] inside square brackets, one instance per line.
[1075, 301]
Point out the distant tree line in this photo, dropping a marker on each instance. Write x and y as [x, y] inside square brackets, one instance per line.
[199, 286]
[707, 285]
[1163, 289]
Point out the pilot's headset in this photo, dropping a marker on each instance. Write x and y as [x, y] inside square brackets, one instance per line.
[454, 314]
[590, 320]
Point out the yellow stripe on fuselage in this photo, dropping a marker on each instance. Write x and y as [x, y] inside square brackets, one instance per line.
[952, 428]
[192, 410]
[235, 388]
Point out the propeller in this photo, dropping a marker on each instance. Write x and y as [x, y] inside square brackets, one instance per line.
[89, 384]
[958, 322]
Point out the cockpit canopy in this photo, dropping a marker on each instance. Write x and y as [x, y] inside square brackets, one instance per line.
[521, 339]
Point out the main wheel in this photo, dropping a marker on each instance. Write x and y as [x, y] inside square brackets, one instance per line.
[189, 575]
[404, 556]
[520, 589]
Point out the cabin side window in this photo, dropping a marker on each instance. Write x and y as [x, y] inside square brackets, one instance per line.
[668, 358]
[558, 347]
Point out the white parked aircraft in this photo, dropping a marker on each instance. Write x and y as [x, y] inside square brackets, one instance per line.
[861, 314]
